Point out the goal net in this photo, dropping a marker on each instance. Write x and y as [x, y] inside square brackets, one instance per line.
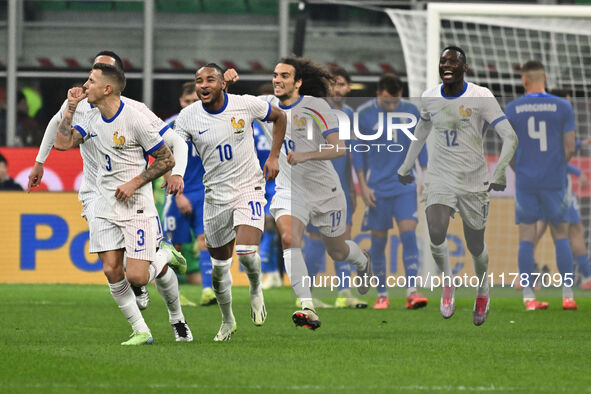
[497, 40]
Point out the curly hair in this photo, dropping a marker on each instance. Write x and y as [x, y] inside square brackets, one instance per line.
[315, 79]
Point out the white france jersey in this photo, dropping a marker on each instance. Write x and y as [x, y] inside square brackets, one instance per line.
[224, 140]
[122, 145]
[455, 144]
[88, 190]
[315, 180]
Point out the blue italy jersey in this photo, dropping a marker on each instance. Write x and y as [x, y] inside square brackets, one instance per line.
[540, 121]
[381, 166]
[193, 178]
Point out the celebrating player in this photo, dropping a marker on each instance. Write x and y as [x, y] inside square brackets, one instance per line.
[125, 216]
[385, 197]
[88, 189]
[458, 178]
[308, 189]
[220, 127]
[545, 125]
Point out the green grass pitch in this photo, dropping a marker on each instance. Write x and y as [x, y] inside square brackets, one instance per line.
[65, 338]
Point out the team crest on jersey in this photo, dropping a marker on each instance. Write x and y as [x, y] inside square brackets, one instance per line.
[465, 113]
[238, 125]
[118, 140]
[300, 123]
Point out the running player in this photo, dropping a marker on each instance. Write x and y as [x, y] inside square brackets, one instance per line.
[88, 192]
[125, 216]
[220, 127]
[308, 189]
[458, 178]
[545, 125]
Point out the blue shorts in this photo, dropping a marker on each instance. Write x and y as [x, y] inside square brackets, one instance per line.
[177, 226]
[401, 207]
[573, 216]
[548, 205]
[312, 229]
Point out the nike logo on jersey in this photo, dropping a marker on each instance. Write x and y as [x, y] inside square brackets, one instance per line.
[201, 132]
[93, 135]
[139, 250]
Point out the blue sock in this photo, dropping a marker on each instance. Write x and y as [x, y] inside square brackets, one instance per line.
[378, 261]
[410, 256]
[564, 258]
[584, 266]
[205, 265]
[343, 270]
[315, 256]
[525, 259]
[266, 252]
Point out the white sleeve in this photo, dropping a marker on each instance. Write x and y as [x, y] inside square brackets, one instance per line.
[48, 138]
[146, 134]
[180, 151]
[260, 109]
[180, 128]
[421, 132]
[507, 134]
[490, 108]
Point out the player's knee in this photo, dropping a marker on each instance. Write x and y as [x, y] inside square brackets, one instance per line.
[338, 253]
[475, 248]
[437, 235]
[286, 240]
[114, 274]
[138, 279]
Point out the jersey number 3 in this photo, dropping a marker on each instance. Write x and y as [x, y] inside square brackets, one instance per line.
[537, 134]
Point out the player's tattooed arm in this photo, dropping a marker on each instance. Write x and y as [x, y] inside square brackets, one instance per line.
[68, 137]
[163, 163]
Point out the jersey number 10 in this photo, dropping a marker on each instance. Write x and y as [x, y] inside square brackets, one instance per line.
[539, 134]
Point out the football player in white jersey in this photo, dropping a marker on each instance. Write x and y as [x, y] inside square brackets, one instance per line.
[308, 189]
[457, 178]
[220, 127]
[125, 217]
[88, 193]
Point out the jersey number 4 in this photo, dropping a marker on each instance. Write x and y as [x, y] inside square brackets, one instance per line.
[537, 134]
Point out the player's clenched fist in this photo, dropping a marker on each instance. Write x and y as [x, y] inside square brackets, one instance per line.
[271, 168]
[75, 95]
[125, 191]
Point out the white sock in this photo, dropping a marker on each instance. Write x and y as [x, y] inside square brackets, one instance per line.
[441, 256]
[567, 292]
[481, 269]
[296, 270]
[356, 256]
[250, 259]
[168, 287]
[161, 258]
[221, 279]
[125, 299]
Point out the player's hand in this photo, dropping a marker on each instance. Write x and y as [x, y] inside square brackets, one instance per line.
[174, 185]
[497, 187]
[183, 204]
[294, 158]
[231, 76]
[75, 95]
[35, 176]
[368, 196]
[406, 179]
[125, 191]
[271, 168]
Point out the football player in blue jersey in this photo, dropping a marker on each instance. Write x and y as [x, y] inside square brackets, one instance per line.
[545, 126]
[183, 213]
[385, 197]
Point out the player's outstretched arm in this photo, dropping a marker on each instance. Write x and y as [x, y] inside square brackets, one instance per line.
[333, 149]
[271, 167]
[421, 133]
[507, 134]
[568, 140]
[163, 163]
[36, 173]
[67, 137]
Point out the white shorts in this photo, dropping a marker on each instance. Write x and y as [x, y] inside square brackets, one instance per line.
[139, 236]
[88, 210]
[472, 206]
[220, 221]
[328, 215]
